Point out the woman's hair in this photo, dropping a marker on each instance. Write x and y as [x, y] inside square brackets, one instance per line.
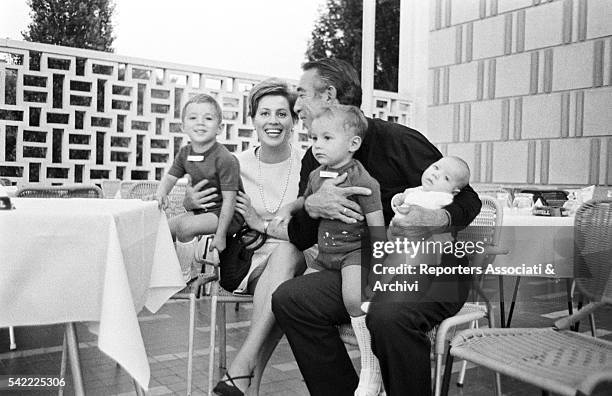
[203, 98]
[340, 75]
[272, 86]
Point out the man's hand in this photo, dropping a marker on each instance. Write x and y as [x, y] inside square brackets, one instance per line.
[418, 222]
[196, 199]
[331, 201]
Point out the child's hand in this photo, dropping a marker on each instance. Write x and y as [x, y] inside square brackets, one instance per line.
[162, 202]
[219, 243]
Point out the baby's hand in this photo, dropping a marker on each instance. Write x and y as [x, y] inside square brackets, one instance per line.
[396, 201]
[219, 243]
[162, 202]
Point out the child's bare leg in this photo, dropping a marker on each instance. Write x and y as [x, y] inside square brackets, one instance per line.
[370, 379]
[188, 227]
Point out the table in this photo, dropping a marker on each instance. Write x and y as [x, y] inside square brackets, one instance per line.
[538, 239]
[88, 260]
[533, 240]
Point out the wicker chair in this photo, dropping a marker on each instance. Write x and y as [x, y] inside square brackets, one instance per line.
[146, 190]
[486, 227]
[110, 188]
[65, 191]
[557, 359]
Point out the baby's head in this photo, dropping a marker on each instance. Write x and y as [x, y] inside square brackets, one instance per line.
[448, 174]
[337, 132]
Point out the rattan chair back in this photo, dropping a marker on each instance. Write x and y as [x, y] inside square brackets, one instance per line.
[146, 190]
[593, 250]
[486, 227]
[110, 188]
[65, 191]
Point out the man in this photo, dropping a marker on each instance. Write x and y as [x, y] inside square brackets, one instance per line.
[308, 308]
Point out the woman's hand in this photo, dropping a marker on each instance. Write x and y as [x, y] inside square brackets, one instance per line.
[331, 201]
[162, 201]
[196, 199]
[244, 207]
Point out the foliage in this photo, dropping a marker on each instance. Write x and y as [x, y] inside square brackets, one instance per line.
[72, 23]
[337, 33]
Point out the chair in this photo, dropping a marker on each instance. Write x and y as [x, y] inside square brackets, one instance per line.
[145, 190]
[5, 182]
[110, 188]
[218, 295]
[556, 359]
[124, 188]
[65, 191]
[486, 227]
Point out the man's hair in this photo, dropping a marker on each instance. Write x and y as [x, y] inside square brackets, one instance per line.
[463, 171]
[203, 98]
[272, 86]
[353, 120]
[339, 74]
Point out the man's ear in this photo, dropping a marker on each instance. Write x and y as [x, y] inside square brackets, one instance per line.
[355, 144]
[331, 95]
[220, 130]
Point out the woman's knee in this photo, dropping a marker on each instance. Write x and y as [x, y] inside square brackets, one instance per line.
[286, 259]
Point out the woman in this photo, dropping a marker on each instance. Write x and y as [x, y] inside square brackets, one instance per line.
[270, 174]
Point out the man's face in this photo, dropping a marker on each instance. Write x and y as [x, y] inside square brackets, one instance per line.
[309, 101]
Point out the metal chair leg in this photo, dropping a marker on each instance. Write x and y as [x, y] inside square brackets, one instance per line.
[516, 286]
[12, 338]
[592, 323]
[63, 363]
[438, 375]
[222, 340]
[502, 311]
[75, 363]
[192, 306]
[498, 389]
[448, 369]
[211, 346]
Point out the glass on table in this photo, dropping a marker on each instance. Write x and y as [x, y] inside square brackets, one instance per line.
[523, 203]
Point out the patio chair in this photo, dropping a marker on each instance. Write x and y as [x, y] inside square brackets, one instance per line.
[124, 188]
[146, 190]
[110, 188]
[65, 191]
[485, 227]
[556, 359]
[218, 295]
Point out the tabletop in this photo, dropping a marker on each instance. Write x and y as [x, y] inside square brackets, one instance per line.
[88, 260]
[533, 240]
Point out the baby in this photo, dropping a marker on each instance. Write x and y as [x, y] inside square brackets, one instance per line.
[337, 133]
[203, 158]
[440, 182]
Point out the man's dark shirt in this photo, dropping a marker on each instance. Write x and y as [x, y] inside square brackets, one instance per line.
[396, 157]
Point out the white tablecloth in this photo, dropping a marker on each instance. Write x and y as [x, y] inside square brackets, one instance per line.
[538, 240]
[88, 260]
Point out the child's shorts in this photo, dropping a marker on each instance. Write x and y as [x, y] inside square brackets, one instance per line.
[336, 261]
[234, 226]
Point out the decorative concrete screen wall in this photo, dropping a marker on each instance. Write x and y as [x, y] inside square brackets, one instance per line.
[71, 115]
[522, 89]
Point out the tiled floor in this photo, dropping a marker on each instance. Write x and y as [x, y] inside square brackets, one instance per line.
[165, 334]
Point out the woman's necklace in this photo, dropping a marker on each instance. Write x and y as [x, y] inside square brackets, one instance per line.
[260, 182]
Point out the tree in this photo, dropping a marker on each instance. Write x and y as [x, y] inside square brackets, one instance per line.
[72, 23]
[337, 33]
